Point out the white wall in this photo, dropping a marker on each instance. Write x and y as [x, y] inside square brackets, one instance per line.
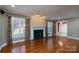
[3, 29]
[0, 30]
[37, 21]
[73, 27]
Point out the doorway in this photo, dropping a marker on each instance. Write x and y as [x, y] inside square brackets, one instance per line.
[61, 28]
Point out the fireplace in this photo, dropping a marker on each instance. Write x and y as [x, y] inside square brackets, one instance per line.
[38, 34]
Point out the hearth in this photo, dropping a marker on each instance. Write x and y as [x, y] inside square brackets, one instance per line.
[38, 34]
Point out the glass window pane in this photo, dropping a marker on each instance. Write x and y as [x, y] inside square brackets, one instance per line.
[18, 27]
[50, 27]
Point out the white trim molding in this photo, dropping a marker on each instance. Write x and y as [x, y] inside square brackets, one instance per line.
[19, 41]
[68, 36]
[3, 45]
[73, 37]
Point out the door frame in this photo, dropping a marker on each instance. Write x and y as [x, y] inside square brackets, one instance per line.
[58, 26]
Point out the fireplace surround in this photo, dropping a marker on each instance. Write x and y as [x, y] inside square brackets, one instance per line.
[36, 28]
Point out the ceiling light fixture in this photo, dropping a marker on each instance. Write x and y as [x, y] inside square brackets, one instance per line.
[12, 5]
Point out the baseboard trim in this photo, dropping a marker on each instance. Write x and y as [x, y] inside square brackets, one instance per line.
[3, 45]
[73, 37]
[18, 41]
[68, 37]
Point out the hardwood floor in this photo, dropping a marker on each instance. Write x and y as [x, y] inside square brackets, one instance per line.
[49, 45]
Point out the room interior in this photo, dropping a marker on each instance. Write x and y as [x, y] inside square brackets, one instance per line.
[39, 29]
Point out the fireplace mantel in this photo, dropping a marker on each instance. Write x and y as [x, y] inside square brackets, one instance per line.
[36, 28]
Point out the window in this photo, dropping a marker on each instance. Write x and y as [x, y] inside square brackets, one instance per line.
[50, 28]
[18, 27]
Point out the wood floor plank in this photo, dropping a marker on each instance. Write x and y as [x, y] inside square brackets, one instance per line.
[55, 44]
